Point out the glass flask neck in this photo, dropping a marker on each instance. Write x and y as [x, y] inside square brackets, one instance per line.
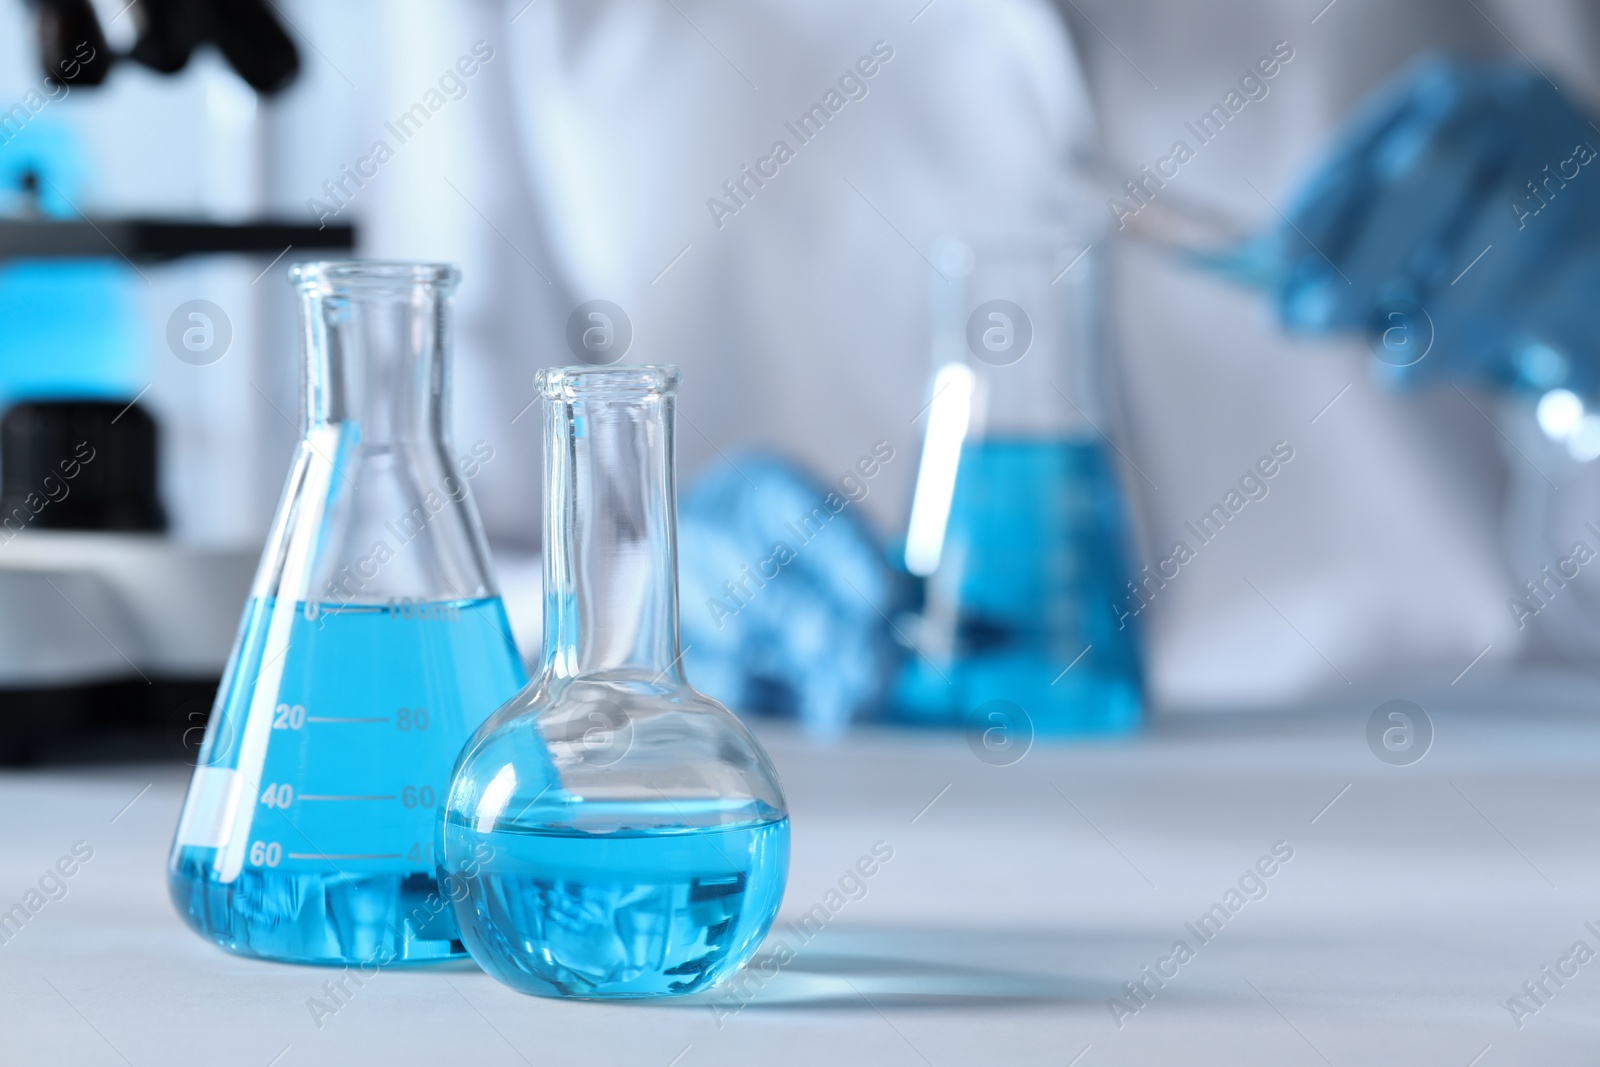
[376, 348]
[377, 509]
[1017, 335]
[611, 544]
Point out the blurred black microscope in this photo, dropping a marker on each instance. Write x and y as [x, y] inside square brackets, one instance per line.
[84, 545]
[246, 32]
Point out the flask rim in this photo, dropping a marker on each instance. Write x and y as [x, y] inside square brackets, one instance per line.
[345, 275]
[598, 383]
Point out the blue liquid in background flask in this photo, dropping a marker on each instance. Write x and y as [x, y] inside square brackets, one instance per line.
[1018, 524]
[373, 644]
[611, 832]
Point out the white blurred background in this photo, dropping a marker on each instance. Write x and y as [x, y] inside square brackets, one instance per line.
[578, 165]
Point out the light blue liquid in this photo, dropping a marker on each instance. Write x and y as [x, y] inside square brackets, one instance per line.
[637, 912]
[1034, 559]
[341, 772]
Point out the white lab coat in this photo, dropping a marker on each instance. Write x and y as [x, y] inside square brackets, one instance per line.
[582, 160]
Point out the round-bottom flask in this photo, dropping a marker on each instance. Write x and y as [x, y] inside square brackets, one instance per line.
[610, 832]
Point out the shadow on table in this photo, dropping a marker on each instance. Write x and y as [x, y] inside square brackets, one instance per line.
[872, 968]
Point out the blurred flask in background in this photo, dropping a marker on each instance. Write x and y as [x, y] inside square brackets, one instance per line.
[1017, 525]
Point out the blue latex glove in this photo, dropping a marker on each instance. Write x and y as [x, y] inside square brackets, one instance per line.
[782, 599]
[1452, 158]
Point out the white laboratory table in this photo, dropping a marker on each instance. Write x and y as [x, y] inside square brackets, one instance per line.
[1019, 900]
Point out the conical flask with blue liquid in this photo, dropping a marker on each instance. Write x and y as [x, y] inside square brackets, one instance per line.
[612, 833]
[1018, 525]
[374, 642]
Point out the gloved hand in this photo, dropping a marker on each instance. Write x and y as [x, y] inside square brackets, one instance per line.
[783, 599]
[1457, 222]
